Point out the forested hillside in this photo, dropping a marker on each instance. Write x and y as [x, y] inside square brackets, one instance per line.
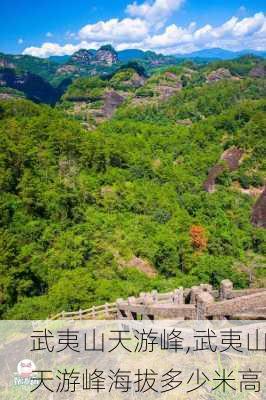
[90, 215]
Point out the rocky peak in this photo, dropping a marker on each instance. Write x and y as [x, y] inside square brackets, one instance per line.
[107, 55]
[83, 56]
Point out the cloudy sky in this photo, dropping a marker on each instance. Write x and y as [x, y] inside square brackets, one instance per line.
[168, 26]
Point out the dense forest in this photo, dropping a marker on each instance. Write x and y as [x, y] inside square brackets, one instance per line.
[93, 213]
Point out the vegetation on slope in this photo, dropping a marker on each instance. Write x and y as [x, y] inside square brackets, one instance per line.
[77, 208]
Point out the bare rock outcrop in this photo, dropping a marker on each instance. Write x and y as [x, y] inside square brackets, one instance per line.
[258, 72]
[67, 69]
[166, 91]
[83, 56]
[259, 211]
[6, 64]
[184, 122]
[8, 96]
[106, 55]
[230, 160]
[143, 266]
[111, 101]
[219, 74]
[137, 81]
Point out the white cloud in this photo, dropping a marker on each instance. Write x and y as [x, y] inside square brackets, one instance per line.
[49, 34]
[235, 34]
[115, 30]
[156, 12]
[249, 25]
[20, 41]
[53, 49]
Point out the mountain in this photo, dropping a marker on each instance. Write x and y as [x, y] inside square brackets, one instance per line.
[33, 86]
[94, 99]
[46, 68]
[105, 55]
[131, 54]
[220, 54]
[82, 212]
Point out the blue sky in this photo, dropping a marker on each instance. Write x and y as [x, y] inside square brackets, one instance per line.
[169, 26]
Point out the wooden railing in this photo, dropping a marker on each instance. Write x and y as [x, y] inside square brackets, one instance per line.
[105, 311]
[177, 302]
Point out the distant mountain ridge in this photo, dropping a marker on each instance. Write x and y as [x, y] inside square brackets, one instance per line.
[122, 56]
[220, 54]
[137, 54]
[45, 80]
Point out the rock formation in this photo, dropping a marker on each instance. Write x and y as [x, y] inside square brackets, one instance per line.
[111, 101]
[143, 266]
[106, 55]
[258, 72]
[83, 56]
[230, 159]
[259, 211]
[137, 81]
[67, 69]
[217, 75]
[6, 64]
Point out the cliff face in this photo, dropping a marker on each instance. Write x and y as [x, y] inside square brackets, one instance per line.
[33, 86]
[106, 55]
[259, 211]
[84, 57]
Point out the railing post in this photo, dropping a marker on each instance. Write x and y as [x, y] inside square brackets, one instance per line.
[131, 301]
[178, 297]
[106, 309]
[226, 289]
[181, 295]
[142, 297]
[154, 294]
[203, 300]
[63, 314]
[93, 312]
[80, 315]
[119, 313]
[195, 290]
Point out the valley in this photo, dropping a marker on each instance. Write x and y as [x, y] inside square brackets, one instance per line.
[123, 172]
